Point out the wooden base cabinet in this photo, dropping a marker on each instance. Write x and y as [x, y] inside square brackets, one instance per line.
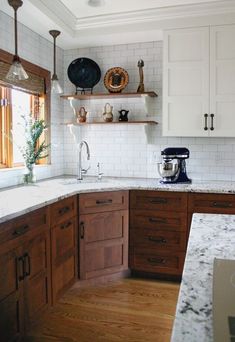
[103, 235]
[11, 293]
[25, 273]
[63, 245]
[158, 232]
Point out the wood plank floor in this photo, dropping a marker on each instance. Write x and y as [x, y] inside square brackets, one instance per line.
[129, 310]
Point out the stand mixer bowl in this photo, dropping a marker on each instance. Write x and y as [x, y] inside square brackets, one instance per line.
[167, 169]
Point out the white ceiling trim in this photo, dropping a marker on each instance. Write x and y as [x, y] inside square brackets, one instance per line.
[61, 15]
[155, 14]
[57, 12]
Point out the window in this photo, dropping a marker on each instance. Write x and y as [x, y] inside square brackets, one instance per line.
[21, 98]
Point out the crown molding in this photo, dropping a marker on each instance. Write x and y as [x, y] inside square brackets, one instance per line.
[57, 12]
[156, 14]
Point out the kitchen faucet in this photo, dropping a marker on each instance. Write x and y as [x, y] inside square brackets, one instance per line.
[82, 171]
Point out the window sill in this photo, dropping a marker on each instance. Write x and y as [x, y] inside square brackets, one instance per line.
[10, 169]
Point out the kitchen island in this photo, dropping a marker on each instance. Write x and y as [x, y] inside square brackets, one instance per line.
[211, 236]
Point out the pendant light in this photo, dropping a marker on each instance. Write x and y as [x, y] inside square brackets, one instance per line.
[16, 71]
[55, 86]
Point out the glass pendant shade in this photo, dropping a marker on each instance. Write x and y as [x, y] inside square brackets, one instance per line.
[16, 71]
[55, 85]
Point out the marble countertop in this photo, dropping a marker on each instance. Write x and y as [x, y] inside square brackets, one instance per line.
[211, 236]
[19, 200]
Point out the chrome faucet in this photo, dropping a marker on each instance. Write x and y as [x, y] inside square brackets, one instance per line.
[82, 171]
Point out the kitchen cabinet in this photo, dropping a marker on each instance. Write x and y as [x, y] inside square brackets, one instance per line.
[64, 247]
[199, 82]
[25, 289]
[158, 232]
[211, 204]
[103, 233]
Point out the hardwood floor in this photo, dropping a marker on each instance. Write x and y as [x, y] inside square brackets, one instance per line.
[129, 310]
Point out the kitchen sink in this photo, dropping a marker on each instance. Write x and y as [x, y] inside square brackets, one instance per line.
[72, 181]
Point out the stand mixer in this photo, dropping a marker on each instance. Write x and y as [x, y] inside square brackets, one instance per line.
[174, 172]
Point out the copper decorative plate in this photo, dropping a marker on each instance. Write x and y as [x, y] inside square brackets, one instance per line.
[116, 79]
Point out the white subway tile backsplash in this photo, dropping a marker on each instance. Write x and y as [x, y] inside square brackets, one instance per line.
[122, 150]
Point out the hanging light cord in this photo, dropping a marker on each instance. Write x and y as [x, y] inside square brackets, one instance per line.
[15, 4]
[54, 55]
[54, 34]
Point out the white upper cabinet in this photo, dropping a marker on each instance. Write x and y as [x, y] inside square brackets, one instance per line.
[199, 82]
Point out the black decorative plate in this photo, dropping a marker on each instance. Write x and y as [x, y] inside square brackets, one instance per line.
[84, 73]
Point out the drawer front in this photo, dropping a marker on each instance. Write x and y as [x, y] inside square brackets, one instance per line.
[161, 240]
[63, 240]
[63, 210]
[212, 203]
[103, 201]
[158, 220]
[103, 226]
[157, 261]
[158, 200]
[21, 225]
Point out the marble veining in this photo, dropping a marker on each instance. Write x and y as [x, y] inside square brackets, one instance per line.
[211, 236]
[23, 199]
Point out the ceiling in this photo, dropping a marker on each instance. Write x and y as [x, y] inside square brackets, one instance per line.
[119, 21]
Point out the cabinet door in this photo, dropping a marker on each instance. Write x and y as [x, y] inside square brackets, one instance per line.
[222, 80]
[103, 243]
[186, 81]
[37, 282]
[64, 257]
[11, 294]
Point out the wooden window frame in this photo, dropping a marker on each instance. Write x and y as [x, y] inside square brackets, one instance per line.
[46, 75]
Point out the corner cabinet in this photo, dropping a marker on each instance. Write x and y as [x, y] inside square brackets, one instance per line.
[103, 233]
[199, 82]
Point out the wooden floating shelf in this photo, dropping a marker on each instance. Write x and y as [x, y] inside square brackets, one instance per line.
[108, 95]
[111, 123]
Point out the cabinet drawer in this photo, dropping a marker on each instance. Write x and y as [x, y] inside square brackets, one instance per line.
[157, 261]
[212, 203]
[103, 201]
[158, 220]
[21, 225]
[158, 200]
[63, 240]
[63, 210]
[159, 239]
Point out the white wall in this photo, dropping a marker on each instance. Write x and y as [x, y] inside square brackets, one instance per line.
[38, 50]
[121, 150]
[124, 150]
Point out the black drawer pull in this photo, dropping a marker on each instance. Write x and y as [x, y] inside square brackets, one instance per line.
[27, 263]
[21, 230]
[82, 230]
[157, 261]
[157, 220]
[206, 125]
[64, 210]
[212, 122]
[66, 225]
[20, 268]
[222, 205]
[109, 201]
[158, 200]
[157, 239]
